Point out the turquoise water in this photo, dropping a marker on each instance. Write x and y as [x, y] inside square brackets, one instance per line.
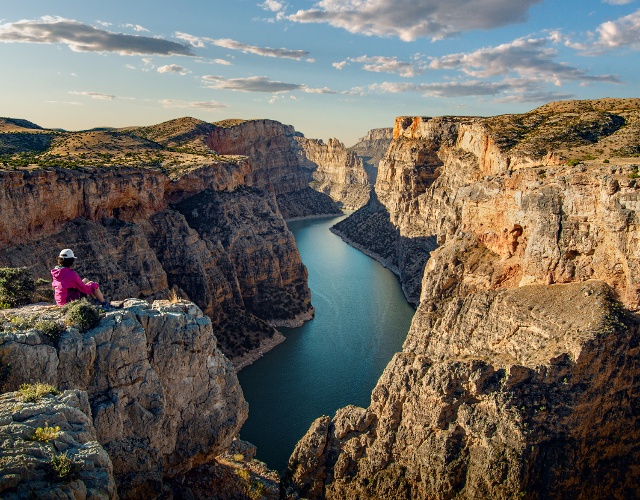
[333, 360]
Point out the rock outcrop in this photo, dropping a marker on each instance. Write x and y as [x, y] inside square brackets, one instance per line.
[163, 398]
[372, 148]
[519, 375]
[335, 171]
[49, 449]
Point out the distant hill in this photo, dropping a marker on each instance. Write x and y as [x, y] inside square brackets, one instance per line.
[17, 125]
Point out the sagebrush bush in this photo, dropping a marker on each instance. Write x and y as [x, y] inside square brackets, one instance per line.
[63, 467]
[33, 392]
[16, 286]
[46, 433]
[51, 329]
[81, 314]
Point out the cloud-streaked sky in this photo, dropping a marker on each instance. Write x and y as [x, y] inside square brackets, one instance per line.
[330, 68]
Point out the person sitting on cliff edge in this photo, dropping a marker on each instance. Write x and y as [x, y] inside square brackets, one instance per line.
[68, 286]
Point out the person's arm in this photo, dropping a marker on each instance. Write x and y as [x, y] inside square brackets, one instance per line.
[87, 288]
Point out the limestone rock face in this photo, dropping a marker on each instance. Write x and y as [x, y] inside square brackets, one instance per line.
[372, 148]
[27, 470]
[163, 398]
[496, 395]
[335, 171]
[519, 375]
[268, 144]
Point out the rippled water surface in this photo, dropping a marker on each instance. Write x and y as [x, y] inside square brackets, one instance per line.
[334, 360]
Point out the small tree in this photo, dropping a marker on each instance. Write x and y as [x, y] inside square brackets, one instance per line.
[16, 286]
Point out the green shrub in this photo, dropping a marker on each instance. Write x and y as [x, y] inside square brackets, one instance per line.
[16, 286]
[33, 392]
[63, 467]
[43, 291]
[606, 161]
[51, 329]
[46, 433]
[573, 162]
[81, 314]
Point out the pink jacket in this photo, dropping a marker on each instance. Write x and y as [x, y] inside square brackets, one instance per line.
[68, 285]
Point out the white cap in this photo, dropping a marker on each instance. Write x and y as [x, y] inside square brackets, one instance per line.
[67, 253]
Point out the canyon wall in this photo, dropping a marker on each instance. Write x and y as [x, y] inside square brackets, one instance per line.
[519, 375]
[335, 171]
[372, 148]
[162, 398]
[168, 214]
[273, 148]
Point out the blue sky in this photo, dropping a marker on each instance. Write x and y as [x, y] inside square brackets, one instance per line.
[330, 68]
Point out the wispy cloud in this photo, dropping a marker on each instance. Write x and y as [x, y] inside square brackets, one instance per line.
[618, 2]
[415, 18]
[323, 90]
[192, 40]
[448, 89]
[135, 27]
[206, 105]
[84, 38]
[381, 64]
[94, 95]
[251, 84]
[173, 69]
[272, 5]
[531, 58]
[228, 43]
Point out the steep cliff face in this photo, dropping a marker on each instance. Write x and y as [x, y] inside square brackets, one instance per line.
[335, 171]
[519, 376]
[372, 148]
[272, 148]
[163, 399]
[142, 230]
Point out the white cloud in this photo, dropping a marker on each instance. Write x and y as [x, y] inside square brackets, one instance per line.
[449, 89]
[412, 19]
[173, 68]
[251, 84]
[624, 32]
[381, 64]
[206, 105]
[135, 27]
[272, 5]
[94, 95]
[323, 90]
[83, 38]
[618, 2]
[527, 57]
[192, 40]
[228, 43]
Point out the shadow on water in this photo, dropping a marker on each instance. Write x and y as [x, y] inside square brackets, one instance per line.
[334, 360]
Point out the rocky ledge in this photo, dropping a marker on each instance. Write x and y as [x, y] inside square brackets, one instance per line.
[162, 397]
[49, 448]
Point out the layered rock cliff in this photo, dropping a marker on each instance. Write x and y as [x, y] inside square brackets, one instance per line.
[519, 375]
[154, 209]
[335, 171]
[273, 148]
[372, 148]
[162, 397]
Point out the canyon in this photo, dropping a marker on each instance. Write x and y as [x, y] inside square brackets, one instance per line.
[515, 236]
[518, 377]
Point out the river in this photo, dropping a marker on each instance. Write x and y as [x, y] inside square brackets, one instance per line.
[361, 320]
